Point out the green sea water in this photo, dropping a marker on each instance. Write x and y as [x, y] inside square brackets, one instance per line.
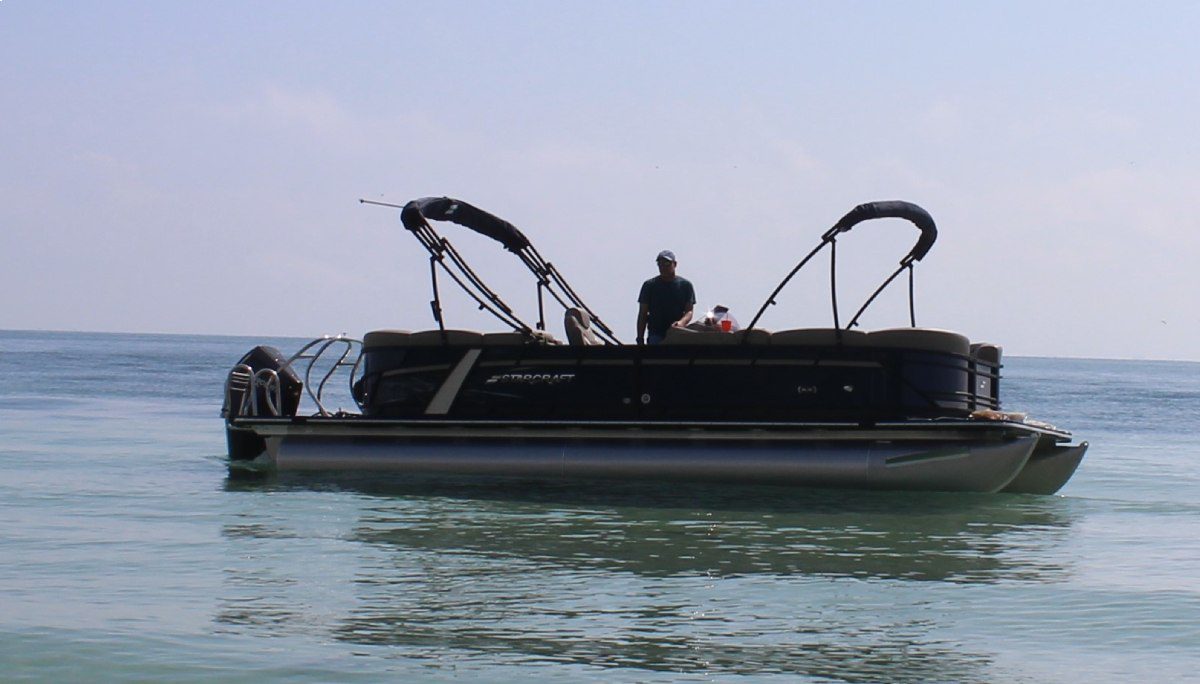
[128, 554]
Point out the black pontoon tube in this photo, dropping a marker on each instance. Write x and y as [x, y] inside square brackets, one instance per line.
[864, 212]
[415, 216]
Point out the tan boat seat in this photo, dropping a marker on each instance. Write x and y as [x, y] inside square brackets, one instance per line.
[926, 339]
[513, 338]
[578, 323]
[819, 337]
[701, 337]
[503, 339]
[755, 336]
[456, 338]
[987, 352]
[386, 338]
[543, 337]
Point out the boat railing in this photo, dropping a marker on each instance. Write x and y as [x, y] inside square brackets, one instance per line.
[238, 383]
[260, 393]
[243, 381]
[343, 348]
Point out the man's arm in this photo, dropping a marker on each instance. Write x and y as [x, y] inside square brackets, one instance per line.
[643, 314]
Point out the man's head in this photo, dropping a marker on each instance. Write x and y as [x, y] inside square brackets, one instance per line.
[666, 263]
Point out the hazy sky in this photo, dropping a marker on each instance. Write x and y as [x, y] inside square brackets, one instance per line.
[195, 167]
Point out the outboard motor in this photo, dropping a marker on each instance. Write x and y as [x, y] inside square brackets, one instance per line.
[275, 393]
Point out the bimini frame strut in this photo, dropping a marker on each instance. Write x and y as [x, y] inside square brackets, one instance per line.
[864, 212]
[415, 216]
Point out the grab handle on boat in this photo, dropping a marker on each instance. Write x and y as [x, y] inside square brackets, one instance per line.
[268, 380]
[891, 209]
[348, 346]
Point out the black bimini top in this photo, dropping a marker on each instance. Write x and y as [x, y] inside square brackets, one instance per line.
[415, 213]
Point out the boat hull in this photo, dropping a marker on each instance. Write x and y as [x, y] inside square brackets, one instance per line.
[960, 457]
[1048, 469]
[920, 465]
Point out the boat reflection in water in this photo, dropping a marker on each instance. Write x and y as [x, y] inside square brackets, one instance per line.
[825, 583]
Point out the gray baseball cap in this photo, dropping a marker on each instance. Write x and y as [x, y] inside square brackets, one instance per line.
[667, 255]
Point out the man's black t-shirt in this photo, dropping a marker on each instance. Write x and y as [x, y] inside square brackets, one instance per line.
[665, 300]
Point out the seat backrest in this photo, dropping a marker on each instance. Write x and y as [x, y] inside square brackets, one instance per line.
[578, 323]
[701, 337]
[755, 336]
[434, 338]
[386, 338]
[925, 339]
[504, 339]
[513, 338]
[819, 337]
[987, 352]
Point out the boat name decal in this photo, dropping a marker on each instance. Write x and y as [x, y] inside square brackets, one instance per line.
[530, 378]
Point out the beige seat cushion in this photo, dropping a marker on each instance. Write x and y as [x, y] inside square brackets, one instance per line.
[578, 324]
[503, 339]
[819, 337]
[458, 338]
[544, 337]
[987, 352]
[693, 337]
[514, 338]
[386, 338]
[755, 336]
[927, 339]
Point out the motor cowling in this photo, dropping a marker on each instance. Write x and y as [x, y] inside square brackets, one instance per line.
[237, 404]
[244, 443]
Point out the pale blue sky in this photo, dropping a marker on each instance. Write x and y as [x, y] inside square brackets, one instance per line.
[195, 167]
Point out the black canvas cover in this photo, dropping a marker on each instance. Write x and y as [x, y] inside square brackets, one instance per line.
[894, 209]
[456, 211]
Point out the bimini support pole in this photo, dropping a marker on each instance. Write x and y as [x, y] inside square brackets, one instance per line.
[833, 284]
[912, 305]
[541, 324]
[549, 278]
[416, 216]
[905, 263]
[441, 252]
[771, 299]
[863, 212]
[436, 303]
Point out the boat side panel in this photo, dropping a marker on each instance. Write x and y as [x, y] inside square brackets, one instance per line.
[720, 383]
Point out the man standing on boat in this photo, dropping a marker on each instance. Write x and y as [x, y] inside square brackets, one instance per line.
[666, 301]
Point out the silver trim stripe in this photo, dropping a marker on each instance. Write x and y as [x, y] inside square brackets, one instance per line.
[441, 402]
